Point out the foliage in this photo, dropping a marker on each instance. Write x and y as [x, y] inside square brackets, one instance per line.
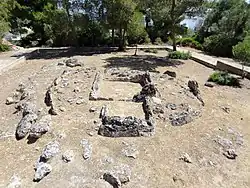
[219, 45]
[224, 78]
[136, 32]
[6, 7]
[4, 47]
[147, 40]
[168, 15]
[179, 55]
[101, 22]
[190, 42]
[119, 14]
[158, 41]
[224, 26]
[242, 51]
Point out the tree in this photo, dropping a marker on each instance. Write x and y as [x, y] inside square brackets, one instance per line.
[224, 26]
[6, 7]
[30, 14]
[168, 14]
[136, 29]
[178, 11]
[119, 15]
[242, 52]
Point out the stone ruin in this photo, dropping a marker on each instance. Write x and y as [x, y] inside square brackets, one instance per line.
[116, 126]
[34, 125]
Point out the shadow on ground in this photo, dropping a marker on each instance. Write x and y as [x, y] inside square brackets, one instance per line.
[51, 53]
[141, 62]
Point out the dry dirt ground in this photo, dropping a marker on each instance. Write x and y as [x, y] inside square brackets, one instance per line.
[157, 164]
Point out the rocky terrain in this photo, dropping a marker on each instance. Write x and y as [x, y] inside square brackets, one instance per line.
[118, 120]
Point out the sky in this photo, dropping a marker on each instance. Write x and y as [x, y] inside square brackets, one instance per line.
[192, 22]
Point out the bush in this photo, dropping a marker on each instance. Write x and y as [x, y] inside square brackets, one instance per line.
[223, 78]
[158, 41]
[219, 45]
[147, 40]
[242, 51]
[4, 47]
[179, 55]
[151, 51]
[190, 42]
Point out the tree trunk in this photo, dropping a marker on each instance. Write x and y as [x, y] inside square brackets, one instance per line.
[113, 37]
[74, 39]
[173, 24]
[123, 37]
[174, 41]
[121, 46]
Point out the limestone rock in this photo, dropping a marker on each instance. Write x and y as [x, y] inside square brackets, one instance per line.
[230, 154]
[50, 150]
[62, 109]
[226, 109]
[186, 158]
[180, 118]
[10, 100]
[224, 142]
[48, 97]
[80, 101]
[209, 84]
[72, 62]
[156, 100]
[68, 156]
[112, 179]
[95, 89]
[53, 110]
[42, 170]
[15, 182]
[25, 125]
[194, 88]
[40, 127]
[171, 106]
[28, 108]
[118, 175]
[130, 151]
[170, 73]
[61, 63]
[103, 112]
[92, 109]
[87, 149]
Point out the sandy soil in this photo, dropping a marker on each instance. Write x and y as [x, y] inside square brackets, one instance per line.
[157, 165]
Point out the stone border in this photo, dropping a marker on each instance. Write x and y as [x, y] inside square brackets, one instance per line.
[232, 69]
[221, 65]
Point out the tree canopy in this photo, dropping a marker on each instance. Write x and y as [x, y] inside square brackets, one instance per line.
[116, 22]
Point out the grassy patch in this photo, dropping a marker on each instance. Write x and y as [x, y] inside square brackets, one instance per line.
[4, 47]
[224, 78]
[179, 55]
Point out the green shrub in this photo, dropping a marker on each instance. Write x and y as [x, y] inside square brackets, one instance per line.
[4, 47]
[158, 41]
[242, 51]
[219, 45]
[190, 42]
[224, 78]
[151, 51]
[147, 40]
[179, 55]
